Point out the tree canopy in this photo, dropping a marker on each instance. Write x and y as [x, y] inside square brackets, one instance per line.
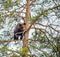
[42, 35]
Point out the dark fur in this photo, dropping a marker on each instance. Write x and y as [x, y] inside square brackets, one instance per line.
[18, 28]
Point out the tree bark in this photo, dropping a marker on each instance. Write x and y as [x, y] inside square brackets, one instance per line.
[25, 41]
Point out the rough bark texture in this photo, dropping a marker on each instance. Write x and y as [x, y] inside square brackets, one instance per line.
[25, 42]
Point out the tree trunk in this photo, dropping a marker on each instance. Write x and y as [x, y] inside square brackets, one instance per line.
[25, 41]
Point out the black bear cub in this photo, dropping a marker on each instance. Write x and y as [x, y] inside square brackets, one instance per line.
[18, 31]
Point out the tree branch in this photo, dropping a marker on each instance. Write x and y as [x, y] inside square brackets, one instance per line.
[38, 16]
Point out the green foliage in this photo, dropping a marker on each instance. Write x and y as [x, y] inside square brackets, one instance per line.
[1, 18]
[17, 2]
[44, 13]
[1, 26]
[54, 48]
[8, 3]
[40, 36]
[42, 55]
[43, 41]
[51, 55]
[4, 48]
[42, 46]
[32, 18]
[14, 55]
[1, 36]
[34, 34]
[23, 51]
